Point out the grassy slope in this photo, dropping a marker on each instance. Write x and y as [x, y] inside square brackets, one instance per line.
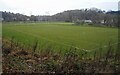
[61, 34]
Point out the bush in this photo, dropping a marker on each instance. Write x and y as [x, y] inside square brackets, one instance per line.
[79, 23]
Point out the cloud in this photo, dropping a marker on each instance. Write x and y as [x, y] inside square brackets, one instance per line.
[53, 6]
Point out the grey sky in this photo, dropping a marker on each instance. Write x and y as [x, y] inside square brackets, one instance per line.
[50, 7]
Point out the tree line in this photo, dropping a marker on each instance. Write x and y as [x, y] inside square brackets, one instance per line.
[97, 16]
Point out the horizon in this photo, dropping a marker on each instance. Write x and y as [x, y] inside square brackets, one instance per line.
[51, 7]
[58, 12]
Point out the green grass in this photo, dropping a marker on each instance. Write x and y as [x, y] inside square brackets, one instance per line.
[0, 29]
[61, 35]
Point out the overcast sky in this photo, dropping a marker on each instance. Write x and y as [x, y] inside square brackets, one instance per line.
[50, 7]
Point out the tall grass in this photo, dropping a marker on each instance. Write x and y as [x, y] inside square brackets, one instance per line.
[48, 61]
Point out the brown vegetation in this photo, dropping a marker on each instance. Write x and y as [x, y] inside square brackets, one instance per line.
[18, 60]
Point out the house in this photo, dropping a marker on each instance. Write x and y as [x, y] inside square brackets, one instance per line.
[87, 21]
[102, 22]
[1, 19]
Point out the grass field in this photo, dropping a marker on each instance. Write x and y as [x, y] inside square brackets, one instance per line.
[61, 35]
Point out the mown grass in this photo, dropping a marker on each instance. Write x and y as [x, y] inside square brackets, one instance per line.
[63, 48]
[60, 36]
